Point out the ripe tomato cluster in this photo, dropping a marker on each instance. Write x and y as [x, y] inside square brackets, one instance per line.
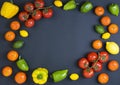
[92, 63]
[34, 11]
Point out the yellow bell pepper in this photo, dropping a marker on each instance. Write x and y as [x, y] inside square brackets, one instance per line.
[9, 10]
[40, 76]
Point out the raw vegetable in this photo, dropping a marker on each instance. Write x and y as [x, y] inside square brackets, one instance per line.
[15, 25]
[113, 28]
[99, 10]
[22, 64]
[39, 3]
[58, 3]
[47, 13]
[99, 29]
[97, 44]
[114, 9]
[59, 75]
[83, 63]
[7, 71]
[74, 76]
[70, 5]
[105, 20]
[103, 78]
[104, 56]
[18, 44]
[113, 65]
[24, 33]
[29, 7]
[97, 66]
[20, 77]
[86, 7]
[9, 36]
[88, 73]
[12, 55]
[40, 76]
[92, 56]
[106, 35]
[9, 9]
[112, 48]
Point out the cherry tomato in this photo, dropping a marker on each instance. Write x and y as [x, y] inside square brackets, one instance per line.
[97, 67]
[23, 16]
[88, 73]
[83, 63]
[29, 23]
[29, 7]
[37, 15]
[92, 56]
[104, 56]
[39, 3]
[47, 13]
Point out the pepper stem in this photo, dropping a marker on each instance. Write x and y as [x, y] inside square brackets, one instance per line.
[11, 1]
[40, 76]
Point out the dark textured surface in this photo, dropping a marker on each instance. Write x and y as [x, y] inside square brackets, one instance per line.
[58, 43]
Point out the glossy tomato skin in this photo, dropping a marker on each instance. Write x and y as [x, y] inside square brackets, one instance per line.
[29, 7]
[104, 56]
[37, 15]
[23, 16]
[39, 3]
[88, 73]
[47, 13]
[83, 63]
[92, 56]
[29, 23]
[97, 67]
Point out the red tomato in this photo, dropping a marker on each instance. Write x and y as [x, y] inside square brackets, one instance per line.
[92, 56]
[88, 73]
[29, 23]
[97, 67]
[104, 56]
[83, 63]
[37, 15]
[29, 7]
[47, 13]
[23, 16]
[39, 3]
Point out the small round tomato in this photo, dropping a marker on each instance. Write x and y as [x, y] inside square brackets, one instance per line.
[92, 56]
[88, 73]
[47, 13]
[104, 56]
[83, 63]
[39, 3]
[23, 16]
[37, 15]
[97, 67]
[29, 7]
[29, 23]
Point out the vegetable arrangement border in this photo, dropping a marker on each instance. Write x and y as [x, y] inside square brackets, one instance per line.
[90, 64]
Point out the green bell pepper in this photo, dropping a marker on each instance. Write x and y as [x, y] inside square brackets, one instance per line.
[86, 7]
[59, 75]
[114, 9]
[22, 64]
[70, 5]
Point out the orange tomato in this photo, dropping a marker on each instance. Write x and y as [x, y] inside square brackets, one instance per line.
[113, 28]
[105, 20]
[12, 55]
[15, 25]
[97, 44]
[99, 10]
[103, 78]
[113, 65]
[7, 71]
[20, 78]
[9, 36]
